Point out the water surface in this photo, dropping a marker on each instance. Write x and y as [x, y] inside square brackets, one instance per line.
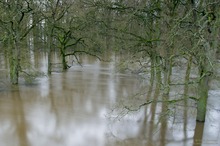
[89, 106]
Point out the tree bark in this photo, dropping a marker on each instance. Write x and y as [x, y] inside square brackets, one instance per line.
[14, 62]
[203, 96]
[64, 63]
[50, 43]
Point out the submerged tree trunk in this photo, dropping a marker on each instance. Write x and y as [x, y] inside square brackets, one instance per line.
[63, 56]
[152, 70]
[203, 96]
[205, 72]
[209, 38]
[49, 68]
[206, 68]
[167, 75]
[14, 73]
[158, 70]
[50, 44]
[203, 88]
[14, 62]
[185, 94]
[153, 107]
[198, 134]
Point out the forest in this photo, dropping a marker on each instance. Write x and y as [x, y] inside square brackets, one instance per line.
[154, 39]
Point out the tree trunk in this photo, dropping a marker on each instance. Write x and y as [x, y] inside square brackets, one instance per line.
[203, 88]
[185, 93]
[202, 102]
[49, 68]
[158, 70]
[50, 44]
[209, 41]
[152, 69]
[14, 62]
[198, 134]
[64, 63]
[167, 74]
[14, 73]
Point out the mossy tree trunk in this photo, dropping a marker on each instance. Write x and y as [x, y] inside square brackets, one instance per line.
[203, 88]
[64, 62]
[63, 38]
[206, 70]
[14, 59]
[14, 68]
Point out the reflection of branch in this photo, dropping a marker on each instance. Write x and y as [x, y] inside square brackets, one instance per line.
[161, 101]
[139, 107]
[33, 73]
[191, 82]
[25, 72]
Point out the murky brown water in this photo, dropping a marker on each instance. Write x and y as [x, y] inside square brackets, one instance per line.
[86, 106]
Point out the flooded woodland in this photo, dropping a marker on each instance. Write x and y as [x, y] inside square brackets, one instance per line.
[109, 73]
[96, 104]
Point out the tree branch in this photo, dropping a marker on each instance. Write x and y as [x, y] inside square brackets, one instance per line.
[85, 52]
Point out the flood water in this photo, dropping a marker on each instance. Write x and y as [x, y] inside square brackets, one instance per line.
[94, 105]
